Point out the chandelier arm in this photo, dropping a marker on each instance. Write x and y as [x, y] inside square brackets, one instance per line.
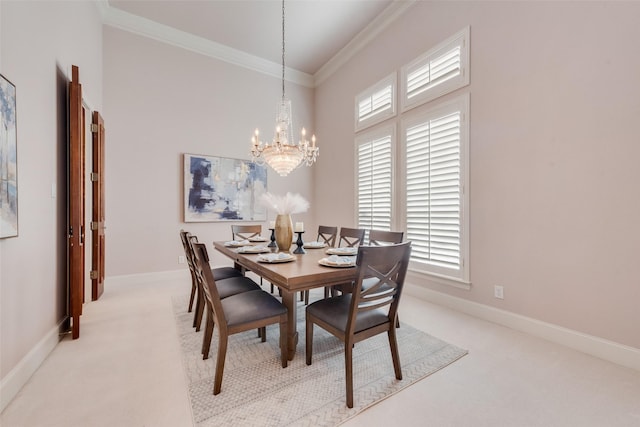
[282, 49]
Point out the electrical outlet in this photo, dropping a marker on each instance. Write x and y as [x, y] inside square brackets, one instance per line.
[498, 292]
[181, 259]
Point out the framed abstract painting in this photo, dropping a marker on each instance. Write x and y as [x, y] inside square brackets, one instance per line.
[223, 189]
[8, 160]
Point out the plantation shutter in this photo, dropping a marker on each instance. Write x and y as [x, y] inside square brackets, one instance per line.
[433, 191]
[374, 184]
[375, 104]
[434, 72]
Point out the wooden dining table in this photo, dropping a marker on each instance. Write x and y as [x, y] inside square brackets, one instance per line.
[302, 274]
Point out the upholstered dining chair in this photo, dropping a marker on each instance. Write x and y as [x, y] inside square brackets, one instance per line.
[228, 283]
[236, 314]
[219, 273]
[382, 237]
[245, 232]
[364, 313]
[327, 235]
[349, 237]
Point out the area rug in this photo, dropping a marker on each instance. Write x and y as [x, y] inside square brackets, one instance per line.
[257, 391]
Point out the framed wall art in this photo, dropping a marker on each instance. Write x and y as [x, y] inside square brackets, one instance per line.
[222, 189]
[8, 160]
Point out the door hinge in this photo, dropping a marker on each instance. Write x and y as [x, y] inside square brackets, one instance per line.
[94, 225]
[93, 274]
[94, 128]
[94, 176]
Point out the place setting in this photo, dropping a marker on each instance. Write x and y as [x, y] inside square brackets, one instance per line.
[348, 250]
[253, 249]
[338, 261]
[274, 258]
[237, 243]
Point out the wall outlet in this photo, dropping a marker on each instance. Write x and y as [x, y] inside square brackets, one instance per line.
[181, 259]
[498, 292]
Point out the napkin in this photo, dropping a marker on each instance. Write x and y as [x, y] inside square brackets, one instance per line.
[275, 257]
[236, 242]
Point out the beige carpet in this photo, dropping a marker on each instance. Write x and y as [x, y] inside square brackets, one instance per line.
[257, 391]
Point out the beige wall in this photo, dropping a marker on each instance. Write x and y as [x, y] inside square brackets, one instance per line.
[161, 102]
[40, 42]
[554, 197]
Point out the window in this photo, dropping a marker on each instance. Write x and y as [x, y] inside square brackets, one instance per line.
[435, 179]
[377, 103]
[374, 176]
[441, 70]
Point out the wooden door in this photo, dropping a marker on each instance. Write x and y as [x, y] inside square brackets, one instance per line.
[97, 223]
[75, 243]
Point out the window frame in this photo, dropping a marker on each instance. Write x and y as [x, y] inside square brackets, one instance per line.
[391, 80]
[366, 137]
[460, 278]
[462, 40]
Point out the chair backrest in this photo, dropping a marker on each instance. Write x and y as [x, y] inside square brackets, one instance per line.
[383, 238]
[384, 268]
[351, 237]
[186, 238]
[205, 278]
[327, 235]
[243, 232]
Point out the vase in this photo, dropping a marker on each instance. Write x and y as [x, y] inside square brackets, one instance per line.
[284, 232]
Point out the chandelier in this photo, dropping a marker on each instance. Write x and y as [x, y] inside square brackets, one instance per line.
[282, 153]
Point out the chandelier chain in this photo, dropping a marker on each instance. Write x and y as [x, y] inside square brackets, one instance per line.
[282, 49]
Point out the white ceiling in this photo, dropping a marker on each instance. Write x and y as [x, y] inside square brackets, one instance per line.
[316, 30]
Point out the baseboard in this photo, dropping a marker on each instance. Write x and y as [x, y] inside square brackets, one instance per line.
[16, 379]
[132, 279]
[598, 347]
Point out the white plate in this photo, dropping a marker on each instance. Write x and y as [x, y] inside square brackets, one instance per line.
[257, 239]
[314, 245]
[342, 251]
[237, 243]
[327, 262]
[258, 249]
[276, 258]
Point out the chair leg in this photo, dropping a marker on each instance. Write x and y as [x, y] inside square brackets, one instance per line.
[348, 365]
[195, 315]
[395, 356]
[306, 297]
[208, 334]
[222, 353]
[262, 332]
[193, 294]
[302, 296]
[200, 303]
[309, 341]
[284, 348]
[326, 291]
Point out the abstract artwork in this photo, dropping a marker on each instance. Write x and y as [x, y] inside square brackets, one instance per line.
[8, 160]
[222, 189]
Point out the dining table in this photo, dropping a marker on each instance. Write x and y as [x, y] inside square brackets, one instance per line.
[303, 273]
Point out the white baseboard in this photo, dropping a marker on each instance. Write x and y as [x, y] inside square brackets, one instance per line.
[20, 374]
[132, 279]
[604, 349]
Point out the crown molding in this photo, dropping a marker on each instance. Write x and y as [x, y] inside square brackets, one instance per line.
[145, 27]
[363, 38]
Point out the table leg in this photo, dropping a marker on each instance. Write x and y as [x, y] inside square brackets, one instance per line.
[289, 301]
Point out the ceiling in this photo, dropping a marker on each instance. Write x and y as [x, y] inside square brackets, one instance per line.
[316, 30]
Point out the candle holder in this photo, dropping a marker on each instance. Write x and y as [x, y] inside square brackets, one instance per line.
[273, 238]
[299, 242]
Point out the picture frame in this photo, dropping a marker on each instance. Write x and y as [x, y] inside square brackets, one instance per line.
[8, 160]
[223, 189]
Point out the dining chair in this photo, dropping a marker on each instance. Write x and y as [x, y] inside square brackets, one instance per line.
[236, 314]
[364, 313]
[349, 237]
[383, 237]
[327, 235]
[245, 232]
[219, 273]
[228, 284]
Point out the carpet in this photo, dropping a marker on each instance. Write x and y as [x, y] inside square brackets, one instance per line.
[257, 391]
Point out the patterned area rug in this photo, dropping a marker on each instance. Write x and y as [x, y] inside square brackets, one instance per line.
[257, 391]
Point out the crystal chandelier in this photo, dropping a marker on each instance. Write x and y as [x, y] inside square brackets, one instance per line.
[283, 154]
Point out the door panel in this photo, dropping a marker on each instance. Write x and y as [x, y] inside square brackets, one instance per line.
[75, 202]
[98, 222]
